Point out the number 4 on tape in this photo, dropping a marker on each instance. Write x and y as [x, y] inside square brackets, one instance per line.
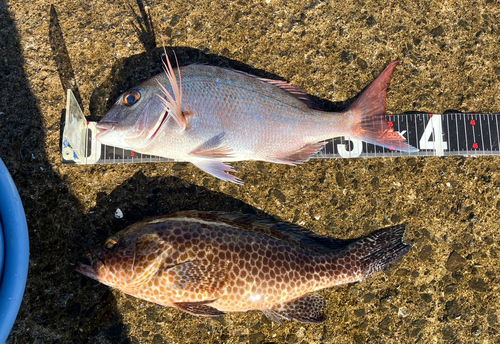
[432, 138]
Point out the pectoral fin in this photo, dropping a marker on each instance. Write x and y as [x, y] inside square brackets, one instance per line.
[307, 309]
[214, 148]
[198, 277]
[199, 308]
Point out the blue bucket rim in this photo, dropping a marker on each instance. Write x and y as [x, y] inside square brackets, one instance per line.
[16, 252]
[2, 252]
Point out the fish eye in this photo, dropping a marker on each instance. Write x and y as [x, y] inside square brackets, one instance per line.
[132, 97]
[111, 242]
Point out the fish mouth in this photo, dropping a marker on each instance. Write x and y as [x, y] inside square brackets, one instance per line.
[104, 128]
[87, 269]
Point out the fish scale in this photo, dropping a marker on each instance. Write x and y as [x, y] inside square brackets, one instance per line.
[236, 114]
[240, 117]
[208, 263]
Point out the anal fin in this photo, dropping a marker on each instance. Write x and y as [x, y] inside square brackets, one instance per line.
[199, 308]
[301, 155]
[306, 309]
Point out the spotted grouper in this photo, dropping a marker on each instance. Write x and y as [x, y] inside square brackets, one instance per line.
[209, 115]
[208, 263]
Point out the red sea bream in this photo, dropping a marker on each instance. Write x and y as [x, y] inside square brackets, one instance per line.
[209, 115]
[208, 263]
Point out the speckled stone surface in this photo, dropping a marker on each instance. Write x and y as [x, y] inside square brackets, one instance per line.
[445, 290]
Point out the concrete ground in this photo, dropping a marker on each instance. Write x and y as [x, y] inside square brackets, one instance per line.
[445, 290]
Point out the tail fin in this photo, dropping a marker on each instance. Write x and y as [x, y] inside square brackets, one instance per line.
[369, 115]
[379, 249]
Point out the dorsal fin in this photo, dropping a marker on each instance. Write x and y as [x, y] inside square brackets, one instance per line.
[287, 232]
[294, 91]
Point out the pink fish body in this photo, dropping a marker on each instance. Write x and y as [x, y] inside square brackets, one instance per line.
[207, 263]
[209, 115]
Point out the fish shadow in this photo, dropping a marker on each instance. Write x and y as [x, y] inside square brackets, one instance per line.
[142, 197]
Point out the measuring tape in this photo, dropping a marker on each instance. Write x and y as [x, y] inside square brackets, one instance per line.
[466, 134]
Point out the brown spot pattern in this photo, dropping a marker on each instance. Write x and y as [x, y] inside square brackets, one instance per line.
[209, 263]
